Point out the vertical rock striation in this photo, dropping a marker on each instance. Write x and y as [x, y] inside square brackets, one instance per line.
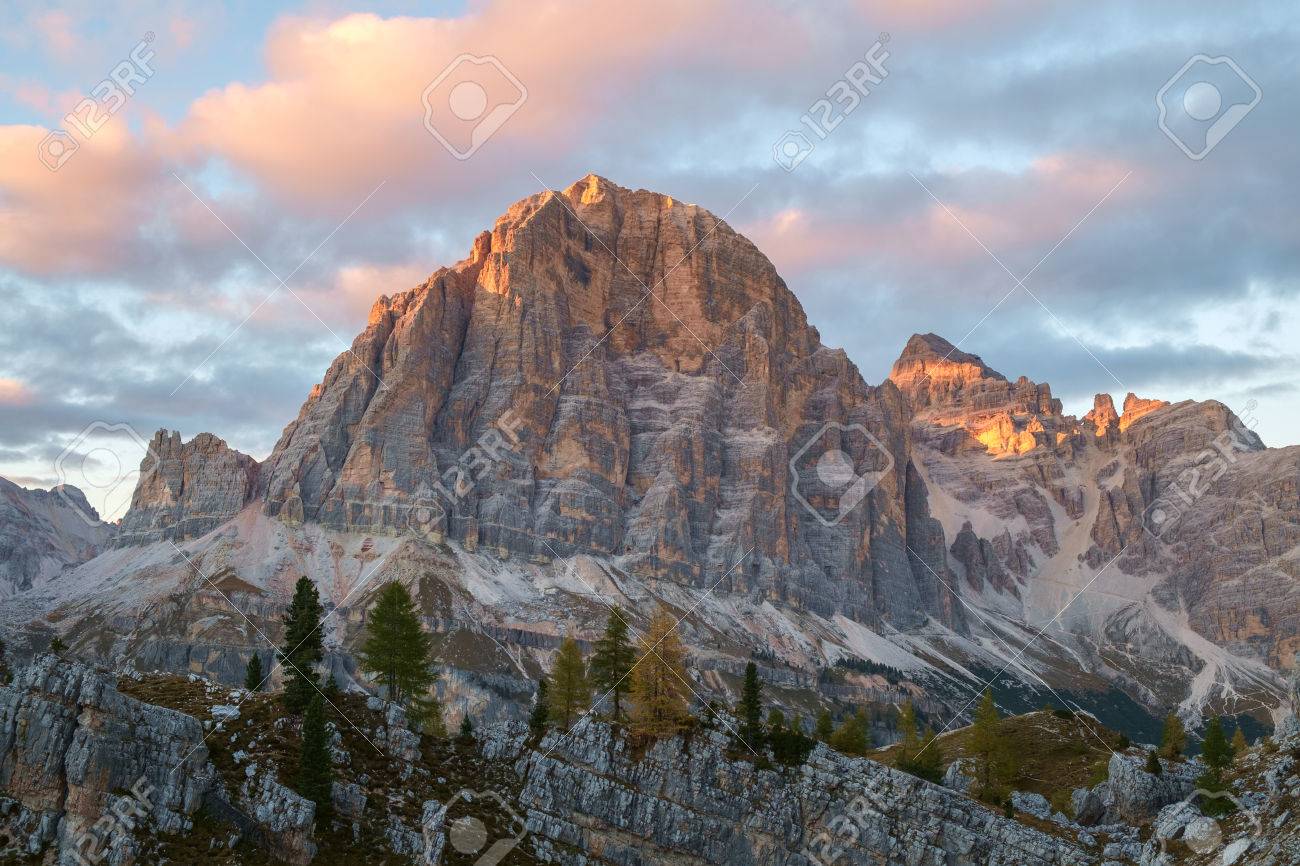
[43, 532]
[187, 489]
[617, 373]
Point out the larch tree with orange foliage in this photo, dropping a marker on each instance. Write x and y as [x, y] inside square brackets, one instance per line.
[659, 691]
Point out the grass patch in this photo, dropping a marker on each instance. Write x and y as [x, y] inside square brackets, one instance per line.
[442, 769]
[1056, 755]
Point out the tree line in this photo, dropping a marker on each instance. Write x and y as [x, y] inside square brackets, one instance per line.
[396, 651]
[644, 683]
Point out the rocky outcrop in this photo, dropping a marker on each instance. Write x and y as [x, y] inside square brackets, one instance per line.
[980, 562]
[1136, 407]
[43, 532]
[72, 747]
[187, 489]
[693, 803]
[1103, 418]
[283, 817]
[500, 395]
[950, 389]
[1182, 501]
[77, 754]
[1130, 794]
[1200, 498]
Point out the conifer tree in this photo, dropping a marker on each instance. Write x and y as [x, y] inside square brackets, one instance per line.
[928, 763]
[57, 645]
[851, 737]
[466, 728]
[825, 726]
[1239, 744]
[314, 769]
[1217, 754]
[612, 660]
[659, 691]
[909, 744]
[396, 649]
[1153, 763]
[750, 709]
[570, 692]
[1215, 750]
[302, 646]
[994, 760]
[540, 716]
[253, 673]
[790, 746]
[1173, 740]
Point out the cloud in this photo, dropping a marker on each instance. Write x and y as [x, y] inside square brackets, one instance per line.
[13, 392]
[341, 110]
[57, 33]
[1185, 282]
[84, 217]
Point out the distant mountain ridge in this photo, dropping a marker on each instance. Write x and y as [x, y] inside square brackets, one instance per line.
[43, 532]
[660, 388]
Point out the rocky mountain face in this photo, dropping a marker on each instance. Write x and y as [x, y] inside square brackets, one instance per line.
[615, 399]
[43, 532]
[186, 489]
[1175, 522]
[89, 768]
[588, 791]
[73, 750]
[663, 443]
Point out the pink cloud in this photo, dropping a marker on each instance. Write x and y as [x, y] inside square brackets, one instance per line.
[341, 109]
[1020, 216]
[80, 217]
[345, 298]
[181, 30]
[931, 15]
[14, 393]
[57, 33]
[1033, 209]
[796, 239]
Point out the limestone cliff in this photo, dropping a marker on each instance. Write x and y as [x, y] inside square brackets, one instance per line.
[187, 489]
[1171, 522]
[664, 443]
[43, 532]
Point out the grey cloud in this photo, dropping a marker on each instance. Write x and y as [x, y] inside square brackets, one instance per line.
[1004, 87]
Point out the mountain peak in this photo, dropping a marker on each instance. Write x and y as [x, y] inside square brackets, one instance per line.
[931, 348]
[932, 371]
[647, 366]
[1135, 407]
[592, 185]
[947, 386]
[187, 488]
